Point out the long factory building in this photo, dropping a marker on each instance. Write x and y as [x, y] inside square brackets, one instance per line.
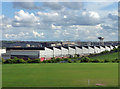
[49, 52]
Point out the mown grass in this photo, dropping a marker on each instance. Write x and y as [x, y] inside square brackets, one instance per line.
[109, 56]
[62, 75]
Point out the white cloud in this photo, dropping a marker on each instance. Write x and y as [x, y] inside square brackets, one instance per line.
[36, 34]
[5, 22]
[9, 26]
[23, 19]
[79, 18]
[55, 27]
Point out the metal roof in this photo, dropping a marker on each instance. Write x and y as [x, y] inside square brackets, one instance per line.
[26, 48]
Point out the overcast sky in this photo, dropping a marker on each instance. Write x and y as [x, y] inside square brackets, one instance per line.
[57, 21]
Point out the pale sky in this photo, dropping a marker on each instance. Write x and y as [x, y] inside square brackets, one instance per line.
[56, 21]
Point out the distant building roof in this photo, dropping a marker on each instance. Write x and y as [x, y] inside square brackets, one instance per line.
[26, 48]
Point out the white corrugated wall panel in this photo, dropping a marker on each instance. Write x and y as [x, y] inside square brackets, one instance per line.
[116, 46]
[111, 47]
[64, 51]
[78, 50]
[102, 48]
[71, 51]
[97, 50]
[85, 50]
[48, 52]
[91, 50]
[57, 52]
[107, 48]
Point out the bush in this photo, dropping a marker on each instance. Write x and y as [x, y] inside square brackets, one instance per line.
[74, 60]
[49, 61]
[66, 59]
[21, 61]
[113, 61]
[95, 61]
[69, 61]
[75, 57]
[102, 61]
[29, 60]
[105, 61]
[85, 59]
[17, 60]
[3, 60]
[78, 61]
[44, 61]
[53, 60]
[117, 60]
[9, 61]
[36, 61]
[58, 59]
[105, 52]
[61, 59]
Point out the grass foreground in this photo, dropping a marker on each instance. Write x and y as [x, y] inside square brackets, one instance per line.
[60, 75]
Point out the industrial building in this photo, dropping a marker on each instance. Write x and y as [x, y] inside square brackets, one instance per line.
[49, 52]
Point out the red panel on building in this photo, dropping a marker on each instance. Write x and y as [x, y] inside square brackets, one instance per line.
[42, 58]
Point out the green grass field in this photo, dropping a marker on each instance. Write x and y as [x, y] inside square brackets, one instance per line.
[110, 56]
[62, 75]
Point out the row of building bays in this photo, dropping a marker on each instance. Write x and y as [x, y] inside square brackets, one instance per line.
[49, 52]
